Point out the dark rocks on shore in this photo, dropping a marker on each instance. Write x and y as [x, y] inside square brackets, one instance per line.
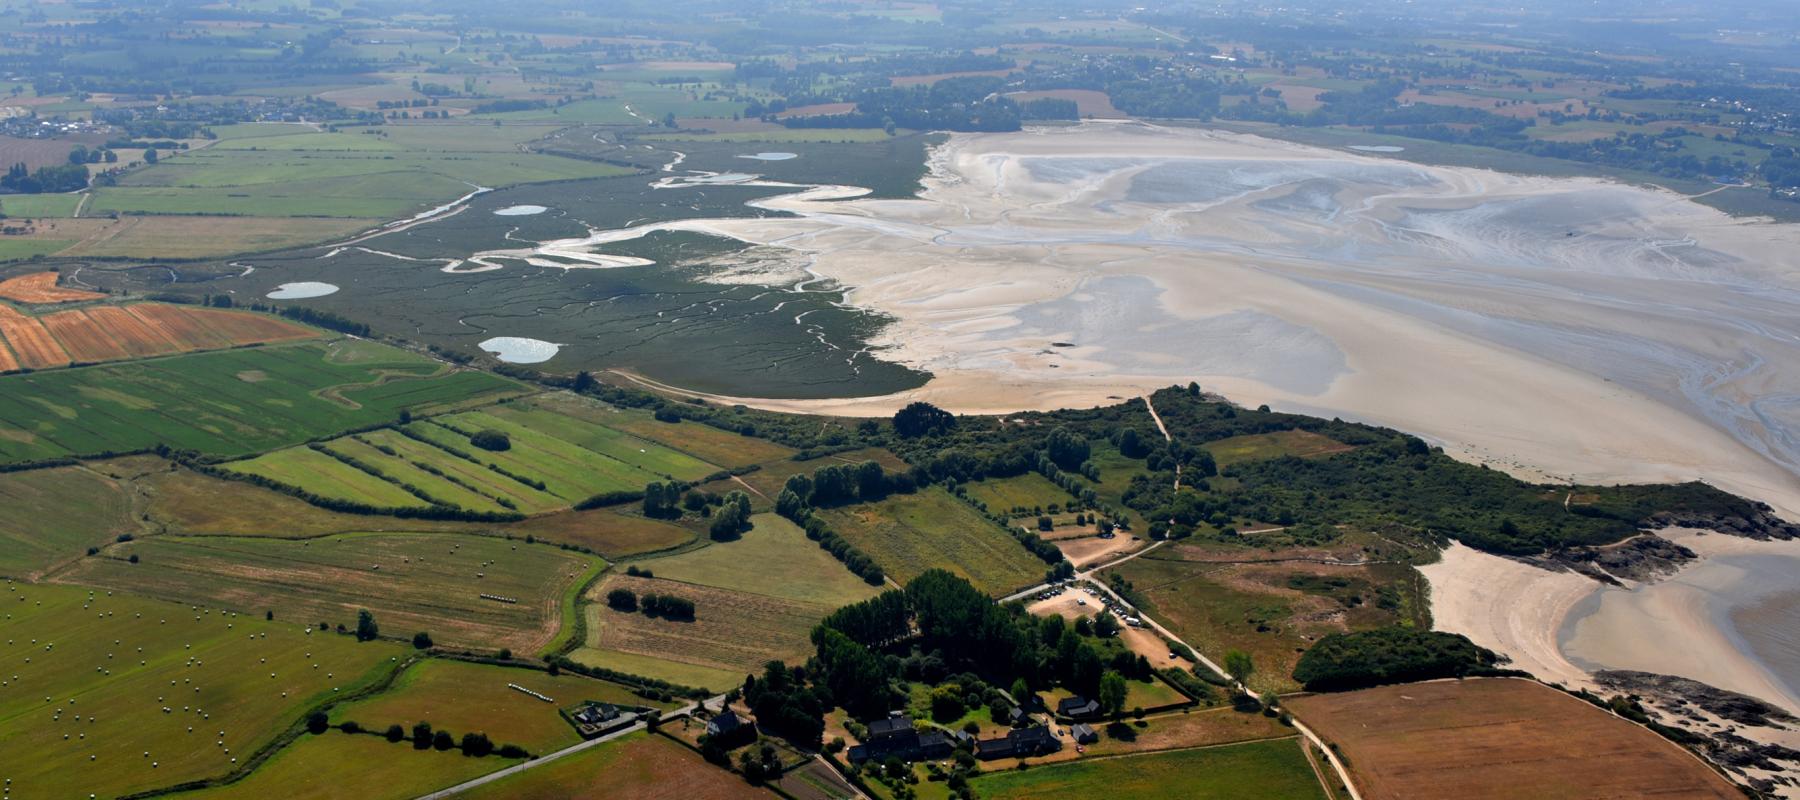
[1760, 524]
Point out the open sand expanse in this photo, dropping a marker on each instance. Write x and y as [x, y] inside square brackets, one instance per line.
[1560, 328]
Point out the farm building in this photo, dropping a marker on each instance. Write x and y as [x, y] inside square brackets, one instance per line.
[1036, 740]
[1078, 707]
[895, 737]
[594, 719]
[1084, 733]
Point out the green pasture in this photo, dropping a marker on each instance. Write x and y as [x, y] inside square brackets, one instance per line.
[225, 403]
[48, 516]
[1027, 491]
[766, 560]
[909, 534]
[411, 581]
[111, 694]
[1268, 770]
[462, 696]
[316, 768]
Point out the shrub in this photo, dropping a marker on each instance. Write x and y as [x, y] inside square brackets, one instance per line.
[422, 640]
[1343, 661]
[491, 440]
[622, 600]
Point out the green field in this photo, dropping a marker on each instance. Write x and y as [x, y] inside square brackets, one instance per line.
[283, 172]
[48, 516]
[766, 561]
[776, 136]
[411, 581]
[908, 534]
[226, 403]
[757, 598]
[1027, 492]
[575, 459]
[319, 767]
[460, 697]
[1259, 446]
[703, 442]
[37, 206]
[1271, 770]
[324, 475]
[91, 675]
[640, 766]
[606, 531]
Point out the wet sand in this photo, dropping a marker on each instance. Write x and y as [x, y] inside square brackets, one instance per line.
[1724, 621]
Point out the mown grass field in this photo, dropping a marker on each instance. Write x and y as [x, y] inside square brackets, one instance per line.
[774, 558]
[324, 174]
[460, 697]
[1499, 737]
[1274, 770]
[610, 533]
[574, 459]
[48, 516]
[226, 403]
[1027, 492]
[319, 768]
[757, 599]
[183, 501]
[1260, 446]
[411, 581]
[703, 442]
[641, 766]
[908, 534]
[1271, 611]
[80, 714]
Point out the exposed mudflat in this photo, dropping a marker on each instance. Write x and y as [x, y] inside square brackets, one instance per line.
[1558, 328]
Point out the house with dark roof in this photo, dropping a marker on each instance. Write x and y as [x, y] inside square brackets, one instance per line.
[1083, 733]
[729, 729]
[1036, 740]
[1078, 707]
[1017, 717]
[593, 719]
[896, 738]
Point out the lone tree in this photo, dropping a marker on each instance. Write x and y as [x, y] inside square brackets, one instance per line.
[492, 440]
[366, 629]
[1238, 665]
[1112, 692]
[422, 640]
[922, 419]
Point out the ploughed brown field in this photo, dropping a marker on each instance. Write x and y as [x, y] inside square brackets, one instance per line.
[33, 345]
[40, 287]
[111, 333]
[1498, 738]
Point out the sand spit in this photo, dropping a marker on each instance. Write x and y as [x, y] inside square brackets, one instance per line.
[1511, 608]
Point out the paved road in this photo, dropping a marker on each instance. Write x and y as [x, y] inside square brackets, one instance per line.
[567, 751]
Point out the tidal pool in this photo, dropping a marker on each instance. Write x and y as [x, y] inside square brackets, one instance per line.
[519, 350]
[519, 211]
[302, 290]
[770, 156]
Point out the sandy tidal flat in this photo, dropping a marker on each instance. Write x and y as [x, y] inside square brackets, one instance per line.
[1560, 328]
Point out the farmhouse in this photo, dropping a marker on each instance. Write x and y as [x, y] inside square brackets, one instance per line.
[728, 724]
[1036, 740]
[895, 737]
[1078, 707]
[593, 719]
